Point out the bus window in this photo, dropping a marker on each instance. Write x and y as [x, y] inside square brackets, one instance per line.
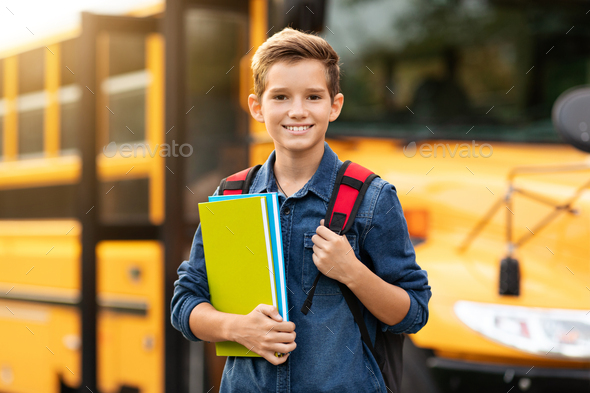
[125, 87]
[456, 65]
[69, 96]
[1, 128]
[58, 201]
[216, 126]
[31, 102]
[125, 81]
[124, 201]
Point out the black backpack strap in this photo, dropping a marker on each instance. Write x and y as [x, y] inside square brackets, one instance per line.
[238, 183]
[355, 309]
[352, 182]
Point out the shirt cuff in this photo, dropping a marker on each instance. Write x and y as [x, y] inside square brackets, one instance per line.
[185, 314]
[409, 320]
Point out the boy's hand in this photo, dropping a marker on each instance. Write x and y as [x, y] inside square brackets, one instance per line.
[333, 255]
[264, 332]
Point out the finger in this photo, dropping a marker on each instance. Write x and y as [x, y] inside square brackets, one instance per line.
[277, 317]
[285, 338]
[286, 327]
[317, 251]
[325, 233]
[283, 348]
[270, 311]
[319, 241]
[322, 222]
[320, 264]
[315, 259]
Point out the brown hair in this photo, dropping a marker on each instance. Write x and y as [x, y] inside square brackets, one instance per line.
[291, 46]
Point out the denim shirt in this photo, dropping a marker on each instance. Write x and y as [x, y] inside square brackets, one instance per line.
[330, 355]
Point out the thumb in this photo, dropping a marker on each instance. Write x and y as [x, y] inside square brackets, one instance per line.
[270, 311]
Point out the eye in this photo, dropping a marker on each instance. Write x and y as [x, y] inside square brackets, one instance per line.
[280, 97]
[315, 97]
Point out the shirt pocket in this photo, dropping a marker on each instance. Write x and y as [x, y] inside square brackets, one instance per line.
[326, 285]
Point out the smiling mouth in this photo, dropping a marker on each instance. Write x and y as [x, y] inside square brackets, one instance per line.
[302, 128]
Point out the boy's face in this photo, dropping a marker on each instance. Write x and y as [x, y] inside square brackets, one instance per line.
[296, 95]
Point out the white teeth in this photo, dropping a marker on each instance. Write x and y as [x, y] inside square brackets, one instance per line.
[298, 128]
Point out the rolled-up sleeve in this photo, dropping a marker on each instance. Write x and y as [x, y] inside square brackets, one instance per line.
[191, 288]
[387, 244]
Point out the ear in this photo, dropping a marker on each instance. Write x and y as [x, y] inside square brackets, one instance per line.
[255, 108]
[336, 106]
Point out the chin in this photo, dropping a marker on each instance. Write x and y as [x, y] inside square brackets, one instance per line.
[302, 144]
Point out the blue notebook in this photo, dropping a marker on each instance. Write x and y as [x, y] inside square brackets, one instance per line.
[274, 220]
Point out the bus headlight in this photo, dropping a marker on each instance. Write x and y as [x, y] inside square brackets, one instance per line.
[536, 330]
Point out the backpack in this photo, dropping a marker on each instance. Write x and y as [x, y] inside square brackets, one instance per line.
[351, 185]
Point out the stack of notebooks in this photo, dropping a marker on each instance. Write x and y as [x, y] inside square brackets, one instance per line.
[244, 257]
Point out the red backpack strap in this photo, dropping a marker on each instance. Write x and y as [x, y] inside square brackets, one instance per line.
[238, 183]
[351, 185]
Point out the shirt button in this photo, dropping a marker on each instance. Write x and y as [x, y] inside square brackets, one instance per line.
[287, 211]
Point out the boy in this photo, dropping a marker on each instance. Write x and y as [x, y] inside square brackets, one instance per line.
[296, 77]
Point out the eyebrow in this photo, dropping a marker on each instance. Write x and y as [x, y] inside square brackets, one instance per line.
[309, 90]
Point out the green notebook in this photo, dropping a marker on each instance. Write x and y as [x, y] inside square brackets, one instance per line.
[238, 258]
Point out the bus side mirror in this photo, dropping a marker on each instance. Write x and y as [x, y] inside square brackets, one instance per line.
[305, 15]
[571, 117]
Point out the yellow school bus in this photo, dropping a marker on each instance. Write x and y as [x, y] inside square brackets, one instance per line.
[86, 287]
[113, 131]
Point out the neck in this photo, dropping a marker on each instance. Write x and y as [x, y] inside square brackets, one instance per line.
[294, 169]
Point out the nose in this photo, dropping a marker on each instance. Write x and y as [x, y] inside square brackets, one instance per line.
[298, 110]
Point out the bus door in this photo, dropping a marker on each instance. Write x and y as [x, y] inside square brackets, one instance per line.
[121, 203]
[215, 67]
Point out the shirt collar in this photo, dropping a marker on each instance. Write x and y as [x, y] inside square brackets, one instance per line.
[321, 183]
